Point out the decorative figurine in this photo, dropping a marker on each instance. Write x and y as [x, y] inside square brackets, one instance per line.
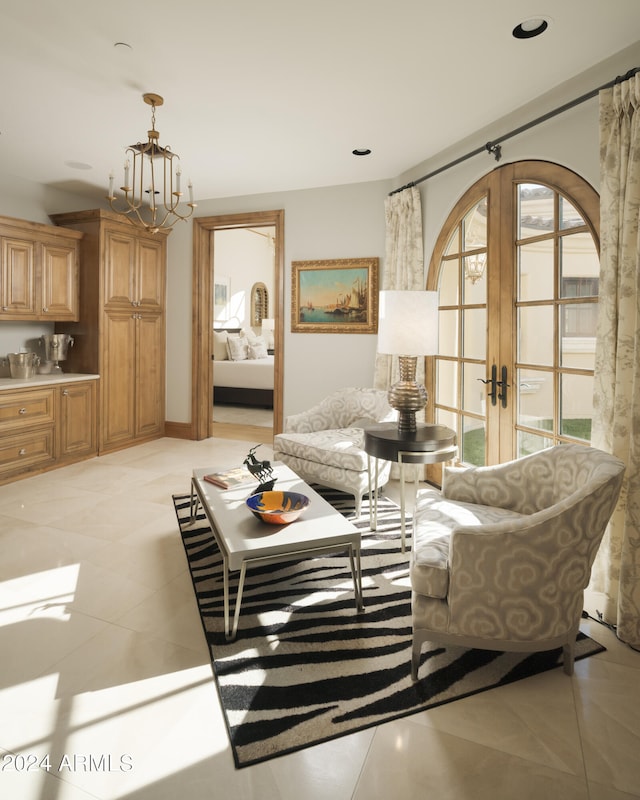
[262, 470]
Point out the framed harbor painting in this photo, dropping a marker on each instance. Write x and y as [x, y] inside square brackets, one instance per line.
[336, 296]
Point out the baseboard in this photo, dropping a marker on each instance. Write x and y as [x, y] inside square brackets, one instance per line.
[179, 430]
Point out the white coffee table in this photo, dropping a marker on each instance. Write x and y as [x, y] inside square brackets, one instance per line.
[246, 541]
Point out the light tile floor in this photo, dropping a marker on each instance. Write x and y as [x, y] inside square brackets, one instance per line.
[106, 689]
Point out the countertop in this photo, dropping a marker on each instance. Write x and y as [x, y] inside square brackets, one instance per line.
[44, 380]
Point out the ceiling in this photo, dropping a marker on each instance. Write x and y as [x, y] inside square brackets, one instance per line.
[272, 96]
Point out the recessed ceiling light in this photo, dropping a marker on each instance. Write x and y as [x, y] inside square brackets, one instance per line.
[530, 28]
[361, 151]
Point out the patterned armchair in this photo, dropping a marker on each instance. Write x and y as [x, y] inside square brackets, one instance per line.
[502, 555]
[325, 444]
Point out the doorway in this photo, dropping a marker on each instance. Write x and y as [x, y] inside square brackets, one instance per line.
[207, 294]
[516, 267]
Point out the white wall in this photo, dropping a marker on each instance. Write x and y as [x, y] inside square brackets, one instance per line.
[335, 222]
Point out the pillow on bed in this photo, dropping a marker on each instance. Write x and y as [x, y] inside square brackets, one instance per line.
[238, 348]
[220, 346]
[257, 349]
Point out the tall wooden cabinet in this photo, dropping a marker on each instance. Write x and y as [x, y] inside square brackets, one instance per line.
[121, 331]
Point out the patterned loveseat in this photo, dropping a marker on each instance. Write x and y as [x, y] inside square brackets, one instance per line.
[325, 444]
[502, 555]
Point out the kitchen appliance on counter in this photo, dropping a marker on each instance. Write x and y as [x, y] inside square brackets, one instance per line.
[23, 365]
[56, 346]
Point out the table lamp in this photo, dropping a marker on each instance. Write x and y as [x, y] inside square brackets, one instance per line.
[408, 328]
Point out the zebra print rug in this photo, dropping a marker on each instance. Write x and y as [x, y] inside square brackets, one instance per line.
[306, 667]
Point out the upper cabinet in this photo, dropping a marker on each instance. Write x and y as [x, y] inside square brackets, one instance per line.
[134, 274]
[39, 269]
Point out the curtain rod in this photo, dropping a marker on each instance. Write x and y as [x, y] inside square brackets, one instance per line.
[493, 147]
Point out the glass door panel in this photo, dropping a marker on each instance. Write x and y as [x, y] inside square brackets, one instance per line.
[448, 289]
[473, 444]
[576, 409]
[474, 326]
[536, 271]
[447, 382]
[535, 335]
[516, 266]
[535, 399]
[474, 393]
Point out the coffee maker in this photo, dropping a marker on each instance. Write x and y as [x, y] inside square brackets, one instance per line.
[56, 346]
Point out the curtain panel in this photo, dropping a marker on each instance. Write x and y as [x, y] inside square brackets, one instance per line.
[403, 267]
[616, 424]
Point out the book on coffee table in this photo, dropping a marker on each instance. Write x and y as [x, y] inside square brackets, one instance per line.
[230, 478]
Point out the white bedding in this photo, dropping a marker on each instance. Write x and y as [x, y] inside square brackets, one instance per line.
[253, 373]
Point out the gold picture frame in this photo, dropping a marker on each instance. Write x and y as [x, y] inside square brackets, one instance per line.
[335, 296]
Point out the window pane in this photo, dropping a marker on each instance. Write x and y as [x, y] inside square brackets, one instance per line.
[447, 418]
[535, 335]
[535, 399]
[475, 288]
[474, 438]
[447, 383]
[535, 271]
[474, 392]
[578, 352]
[576, 406]
[535, 210]
[578, 320]
[453, 245]
[448, 333]
[448, 283]
[579, 266]
[475, 332]
[531, 443]
[474, 226]
[569, 215]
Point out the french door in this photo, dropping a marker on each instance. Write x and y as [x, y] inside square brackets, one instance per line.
[516, 267]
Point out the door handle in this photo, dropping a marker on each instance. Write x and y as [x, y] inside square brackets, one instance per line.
[493, 381]
[503, 387]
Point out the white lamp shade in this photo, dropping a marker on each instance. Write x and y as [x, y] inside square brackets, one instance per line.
[268, 324]
[408, 323]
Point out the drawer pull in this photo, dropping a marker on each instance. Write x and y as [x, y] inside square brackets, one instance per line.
[22, 411]
[22, 452]
[65, 392]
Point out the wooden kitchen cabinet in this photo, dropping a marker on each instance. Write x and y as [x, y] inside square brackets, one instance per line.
[46, 427]
[121, 331]
[76, 420]
[39, 271]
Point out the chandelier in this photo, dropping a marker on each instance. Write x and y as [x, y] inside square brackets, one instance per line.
[149, 171]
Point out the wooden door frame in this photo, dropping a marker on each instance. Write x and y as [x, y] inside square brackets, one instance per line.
[202, 316]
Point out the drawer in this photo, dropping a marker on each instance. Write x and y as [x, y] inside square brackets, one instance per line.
[25, 451]
[26, 409]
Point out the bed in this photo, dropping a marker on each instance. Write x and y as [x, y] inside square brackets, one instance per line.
[238, 380]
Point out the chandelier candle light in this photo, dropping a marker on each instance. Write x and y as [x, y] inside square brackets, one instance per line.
[147, 167]
[408, 328]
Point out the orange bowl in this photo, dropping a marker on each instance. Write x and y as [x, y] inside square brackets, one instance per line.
[277, 508]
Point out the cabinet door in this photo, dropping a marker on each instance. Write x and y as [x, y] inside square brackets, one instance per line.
[150, 276]
[60, 281]
[118, 379]
[150, 370]
[119, 268]
[77, 419]
[17, 279]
